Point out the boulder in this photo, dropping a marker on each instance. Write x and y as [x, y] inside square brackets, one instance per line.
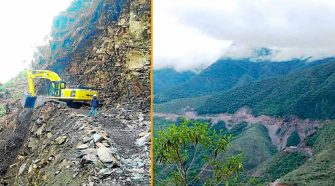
[40, 131]
[49, 135]
[89, 158]
[143, 140]
[32, 144]
[105, 172]
[60, 140]
[105, 155]
[39, 121]
[97, 138]
[82, 146]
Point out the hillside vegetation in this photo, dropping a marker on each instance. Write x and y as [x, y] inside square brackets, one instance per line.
[166, 78]
[309, 93]
[320, 170]
[178, 106]
[280, 164]
[255, 145]
[224, 75]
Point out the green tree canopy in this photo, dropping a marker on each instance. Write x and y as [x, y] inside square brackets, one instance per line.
[192, 154]
[293, 139]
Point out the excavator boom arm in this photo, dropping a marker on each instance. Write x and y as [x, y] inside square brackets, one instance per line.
[40, 74]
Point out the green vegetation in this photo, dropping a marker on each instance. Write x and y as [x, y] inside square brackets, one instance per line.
[2, 110]
[221, 76]
[2, 88]
[166, 78]
[280, 164]
[17, 85]
[183, 154]
[293, 139]
[238, 129]
[320, 169]
[178, 106]
[160, 124]
[322, 138]
[220, 127]
[308, 93]
[255, 144]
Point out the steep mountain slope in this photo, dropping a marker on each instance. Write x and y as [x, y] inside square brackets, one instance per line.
[169, 77]
[280, 164]
[98, 43]
[226, 74]
[320, 169]
[255, 144]
[103, 44]
[309, 93]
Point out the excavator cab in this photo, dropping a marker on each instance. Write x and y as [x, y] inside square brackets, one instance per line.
[55, 88]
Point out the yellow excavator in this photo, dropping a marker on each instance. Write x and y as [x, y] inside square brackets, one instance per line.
[57, 89]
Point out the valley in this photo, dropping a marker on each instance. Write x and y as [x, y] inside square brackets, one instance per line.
[273, 117]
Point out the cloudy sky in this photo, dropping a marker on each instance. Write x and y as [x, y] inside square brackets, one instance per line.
[24, 25]
[189, 34]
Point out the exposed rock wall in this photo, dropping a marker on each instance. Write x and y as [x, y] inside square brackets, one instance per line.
[107, 46]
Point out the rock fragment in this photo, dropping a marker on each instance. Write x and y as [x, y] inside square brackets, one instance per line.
[60, 140]
[97, 138]
[89, 158]
[143, 140]
[82, 146]
[22, 168]
[105, 172]
[105, 155]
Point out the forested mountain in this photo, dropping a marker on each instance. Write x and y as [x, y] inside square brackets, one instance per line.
[309, 93]
[224, 75]
[169, 77]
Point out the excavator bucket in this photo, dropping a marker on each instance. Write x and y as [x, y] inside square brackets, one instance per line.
[29, 101]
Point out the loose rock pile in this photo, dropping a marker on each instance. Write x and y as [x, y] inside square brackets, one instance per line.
[67, 147]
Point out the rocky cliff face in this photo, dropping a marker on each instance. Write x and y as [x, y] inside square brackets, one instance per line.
[104, 44]
[98, 43]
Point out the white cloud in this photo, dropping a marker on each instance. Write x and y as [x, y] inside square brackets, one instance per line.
[192, 32]
[180, 46]
[24, 25]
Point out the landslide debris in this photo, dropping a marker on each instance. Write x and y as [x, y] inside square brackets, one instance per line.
[64, 146]
[103, 44]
